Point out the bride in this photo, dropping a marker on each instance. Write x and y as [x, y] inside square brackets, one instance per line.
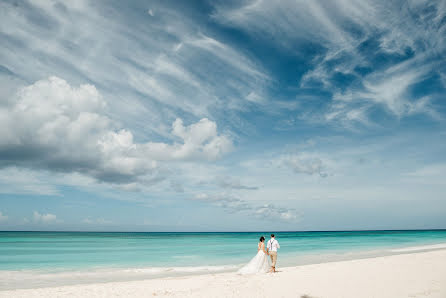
[258, 264]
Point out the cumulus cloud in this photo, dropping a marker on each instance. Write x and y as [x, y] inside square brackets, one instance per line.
[44, 218]
[3, 217]
[199, 140]
[52, 125]
[234, 204]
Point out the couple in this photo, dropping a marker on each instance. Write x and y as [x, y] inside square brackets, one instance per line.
[259, 264]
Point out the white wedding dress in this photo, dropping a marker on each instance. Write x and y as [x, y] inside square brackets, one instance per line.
[258, 264]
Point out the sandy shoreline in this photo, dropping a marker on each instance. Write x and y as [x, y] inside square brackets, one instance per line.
[421, 274]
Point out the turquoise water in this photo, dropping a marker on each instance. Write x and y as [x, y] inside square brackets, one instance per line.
[75, 250]
[30, 259]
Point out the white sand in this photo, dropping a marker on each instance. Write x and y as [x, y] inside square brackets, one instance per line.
[408, 275]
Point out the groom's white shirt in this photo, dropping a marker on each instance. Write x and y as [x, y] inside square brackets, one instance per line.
[273, 245]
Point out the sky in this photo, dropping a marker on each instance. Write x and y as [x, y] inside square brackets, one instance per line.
[251, 115]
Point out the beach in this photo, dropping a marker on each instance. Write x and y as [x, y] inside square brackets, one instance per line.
[416, 274]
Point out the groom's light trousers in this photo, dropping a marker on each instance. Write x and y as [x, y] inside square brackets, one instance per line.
[273, 255]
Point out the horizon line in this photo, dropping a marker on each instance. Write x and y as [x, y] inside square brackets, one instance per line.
[283, 231]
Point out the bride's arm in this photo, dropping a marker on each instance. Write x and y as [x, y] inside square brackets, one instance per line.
[263, 248]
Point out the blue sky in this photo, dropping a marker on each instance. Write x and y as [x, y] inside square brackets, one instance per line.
[222, 115]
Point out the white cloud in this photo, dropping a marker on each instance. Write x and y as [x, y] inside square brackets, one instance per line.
[288, 22]
[87, 221]
[67, 129]
[234, 204]
[344, 112]
[229, 182]
[391, 90]
[3, 217]
[229, 55]
[15, 180]
[302, 163]
[99, 221]
[200, 139]
[256, 98]
[44, 218]
[269, 210]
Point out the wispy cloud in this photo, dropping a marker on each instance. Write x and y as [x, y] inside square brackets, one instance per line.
[14, 180]
[233, 183]
[368, 54]
[302, 163]
[390, 89]
[234, 204]
[147, 61]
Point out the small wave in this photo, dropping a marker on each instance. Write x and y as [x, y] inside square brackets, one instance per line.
[19, 279]
[187, 257]
[420, 248]
[197, 269]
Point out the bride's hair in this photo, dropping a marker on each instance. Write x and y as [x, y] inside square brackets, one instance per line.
[262, 239]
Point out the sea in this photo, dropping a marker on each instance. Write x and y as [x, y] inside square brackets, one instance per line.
[41, 259]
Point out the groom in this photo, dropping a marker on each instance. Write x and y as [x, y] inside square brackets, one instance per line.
[271, 249]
